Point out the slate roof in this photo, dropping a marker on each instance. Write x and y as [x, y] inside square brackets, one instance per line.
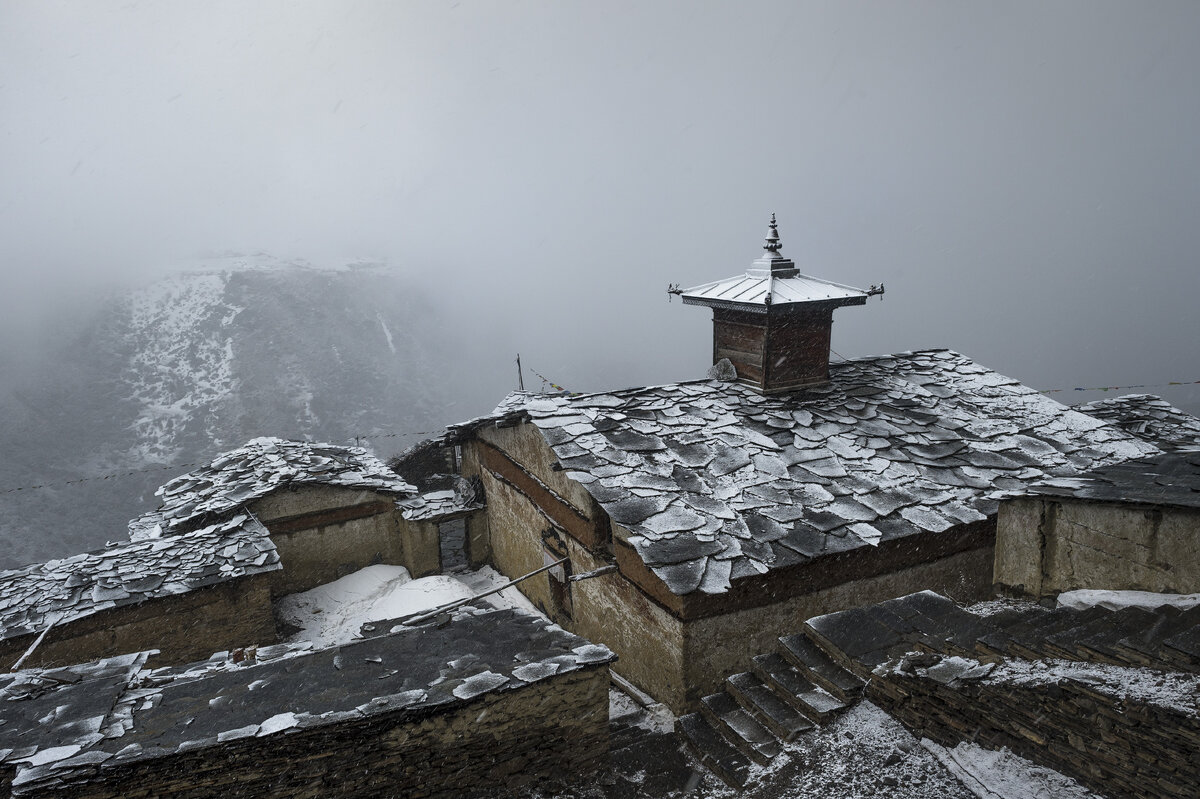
[264, 465]
[52, 714]
[434, 505]
[137, 716]
[716, 482]
[64, 590]
[1172, 478]
[1148, 417]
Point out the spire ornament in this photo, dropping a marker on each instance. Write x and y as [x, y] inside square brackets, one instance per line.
[771, 262]
[773, 241]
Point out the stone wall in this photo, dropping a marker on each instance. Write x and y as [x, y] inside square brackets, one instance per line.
[477, 542]
[325, 532]
[1046, 546]
[610, 609]
[709, 659]
[675, 655]
[1118, 747]
[647, 638]
[540, 732]
[184, 627]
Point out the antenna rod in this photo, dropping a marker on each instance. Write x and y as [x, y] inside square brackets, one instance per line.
[520, 377]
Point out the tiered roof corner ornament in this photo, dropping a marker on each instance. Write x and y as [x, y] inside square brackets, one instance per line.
[772, 322]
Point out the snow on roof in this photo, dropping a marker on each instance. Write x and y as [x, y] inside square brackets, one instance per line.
[434, 505]
[716, 482]
[264, 465]
[757, 291]
[1148, 417]
[1170, 478]
[51, 715]
[111, 715]
[514, 401]
[1175, 691]
[64, 590]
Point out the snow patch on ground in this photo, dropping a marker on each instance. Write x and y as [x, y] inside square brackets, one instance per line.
[487, 578]
[1004, 775]
[1115, 600]
[426, 593]
[862, 754]
[387, 333]
[333, 613]
[1172, 690]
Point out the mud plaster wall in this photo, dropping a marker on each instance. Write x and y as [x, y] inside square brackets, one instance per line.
[551, 729]
[1047, 546]
[476, 539]
[609, 609]
[676, 662]
[318, 554]
[516, 546]
[525, 445]
[709, 659]
[184, 627]
[647, 639]
[514, 523]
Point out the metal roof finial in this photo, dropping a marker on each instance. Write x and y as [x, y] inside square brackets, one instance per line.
[773, 243]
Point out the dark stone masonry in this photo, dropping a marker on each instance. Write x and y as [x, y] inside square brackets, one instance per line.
[494, 700]
[1085, 722]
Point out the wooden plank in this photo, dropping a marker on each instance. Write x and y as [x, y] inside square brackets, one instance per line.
[587, 532]
[323, 518]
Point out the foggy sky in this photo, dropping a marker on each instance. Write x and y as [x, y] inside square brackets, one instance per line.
[1023, 177]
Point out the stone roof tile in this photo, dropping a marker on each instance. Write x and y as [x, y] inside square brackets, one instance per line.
[885, 443]
[1148, 417]
[58, 726]
[256, 469]
[61, 591]
[1171, 479]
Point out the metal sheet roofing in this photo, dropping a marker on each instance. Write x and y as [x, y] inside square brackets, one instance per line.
[715, 482]
[754, 290]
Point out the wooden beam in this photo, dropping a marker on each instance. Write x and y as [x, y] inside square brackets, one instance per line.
[324, 518]
[587, 532]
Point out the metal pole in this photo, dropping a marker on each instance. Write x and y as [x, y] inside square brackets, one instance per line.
[34, 645]
[425, 615]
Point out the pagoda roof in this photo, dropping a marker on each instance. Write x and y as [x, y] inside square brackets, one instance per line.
[756, 292]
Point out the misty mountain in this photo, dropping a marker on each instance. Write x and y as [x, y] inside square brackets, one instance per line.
[171, 373]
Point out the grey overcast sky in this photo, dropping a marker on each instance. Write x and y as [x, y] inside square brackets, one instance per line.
[1023, 176]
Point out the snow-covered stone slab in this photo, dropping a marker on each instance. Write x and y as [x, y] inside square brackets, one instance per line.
[48, 718]
[1149, 418]
[904, 444]
[61, 591]
[1171, 478]
[256, 469]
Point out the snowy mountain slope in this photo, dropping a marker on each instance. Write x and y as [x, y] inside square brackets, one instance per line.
[201, 361]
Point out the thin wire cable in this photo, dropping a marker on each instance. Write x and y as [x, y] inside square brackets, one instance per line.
[177, 466]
